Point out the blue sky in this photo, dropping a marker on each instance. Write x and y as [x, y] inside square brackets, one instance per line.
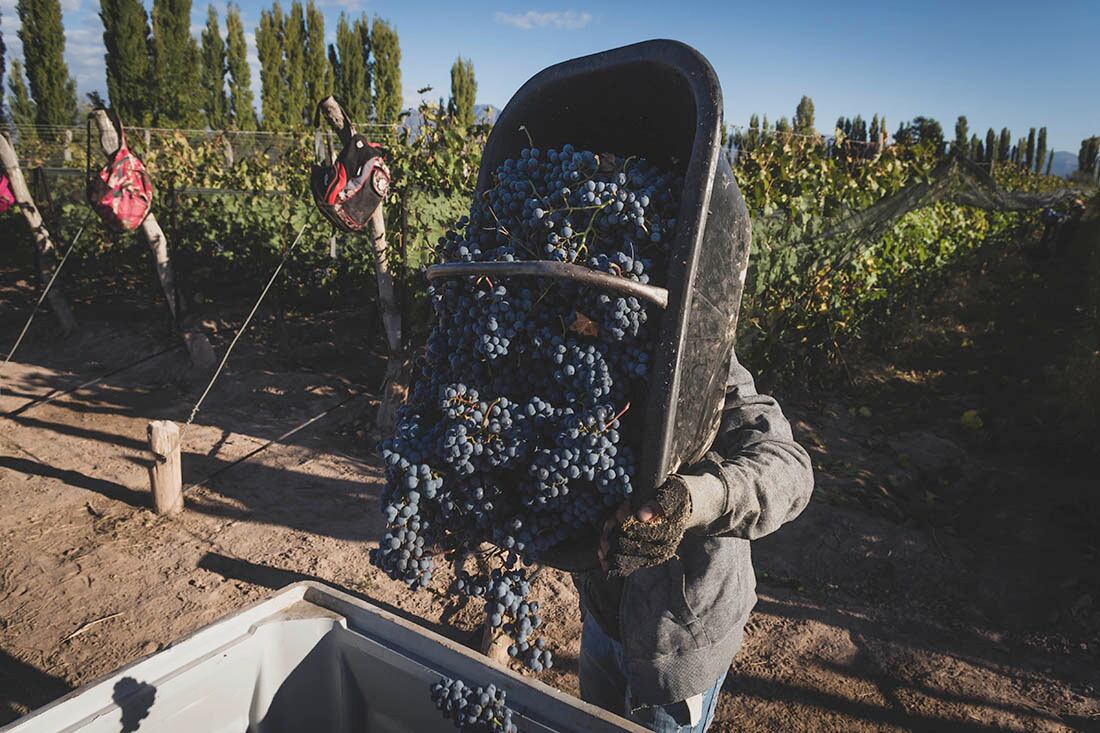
[1009, 63]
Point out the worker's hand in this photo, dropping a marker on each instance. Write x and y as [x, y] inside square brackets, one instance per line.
[651, 535]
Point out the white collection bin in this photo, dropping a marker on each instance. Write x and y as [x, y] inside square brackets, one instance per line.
[309, 659]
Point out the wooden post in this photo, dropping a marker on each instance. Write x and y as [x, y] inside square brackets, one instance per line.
[227, 145]
[45, 251]
[166, 474]
[198, 345]
[394, 387]
[403, 294]
[494, 644]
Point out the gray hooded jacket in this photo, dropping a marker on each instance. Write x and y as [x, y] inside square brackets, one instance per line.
[682, 622]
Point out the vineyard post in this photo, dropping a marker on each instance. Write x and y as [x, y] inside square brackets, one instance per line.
[227, 145]
[494, 642]
[202, 354]
[45, 251]
[393, 390]
[166, 473]
[404, 294]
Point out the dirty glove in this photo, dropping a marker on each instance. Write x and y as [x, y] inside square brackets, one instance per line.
[650, 536]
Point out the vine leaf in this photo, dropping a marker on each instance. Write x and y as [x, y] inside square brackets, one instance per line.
[584, 325]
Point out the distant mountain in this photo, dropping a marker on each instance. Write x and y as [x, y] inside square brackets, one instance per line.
[484, 114]
[1065, 164]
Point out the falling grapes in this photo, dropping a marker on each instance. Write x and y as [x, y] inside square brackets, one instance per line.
[518, 431]
[479, 709]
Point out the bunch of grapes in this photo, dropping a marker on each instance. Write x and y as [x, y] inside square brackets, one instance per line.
[480, 709]
[518, 432]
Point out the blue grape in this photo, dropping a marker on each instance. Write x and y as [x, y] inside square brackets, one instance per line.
[474, 709]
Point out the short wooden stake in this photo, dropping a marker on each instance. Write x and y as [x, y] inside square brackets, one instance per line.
[166, 475]
[494, 644]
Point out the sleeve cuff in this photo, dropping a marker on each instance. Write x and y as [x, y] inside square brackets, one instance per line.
[708, 499]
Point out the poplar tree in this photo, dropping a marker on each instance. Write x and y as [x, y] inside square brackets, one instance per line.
[269, 48]
[1030, 156]
[22, 107]
[240, 76]
[1004, 148]
[1050, 162]
[1041, 150]
[804, 116]
[990, 146]
[43, 37]
[351, 77]
[463, 91]
[976, 152]
[783, 125]
[386, 71]
[294, 56]
[213, 73]
[961, 147]
[3, 67]
[129, 65]
[859, 129]
[317, 67]
[363, 29]
[3, 61]
[752, 135]
[176, 65]
[1086, 156]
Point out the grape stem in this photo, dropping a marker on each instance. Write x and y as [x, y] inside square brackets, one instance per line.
[559, 270]
[620, 414]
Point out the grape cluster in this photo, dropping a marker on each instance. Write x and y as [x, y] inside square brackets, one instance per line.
[505, 594]
[480, 709]
[518, 430]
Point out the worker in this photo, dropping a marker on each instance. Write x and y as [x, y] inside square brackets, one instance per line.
[664, 613]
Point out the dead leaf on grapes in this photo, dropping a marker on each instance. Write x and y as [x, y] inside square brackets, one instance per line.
[584, 325]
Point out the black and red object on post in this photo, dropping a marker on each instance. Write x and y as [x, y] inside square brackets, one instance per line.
[353, 183]
[120, 192]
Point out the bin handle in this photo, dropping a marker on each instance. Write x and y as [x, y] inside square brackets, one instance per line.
[560, 270]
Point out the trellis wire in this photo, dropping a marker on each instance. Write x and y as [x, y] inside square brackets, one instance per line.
[55, 394]
[274, 441]
[41, 298]
[244, 326]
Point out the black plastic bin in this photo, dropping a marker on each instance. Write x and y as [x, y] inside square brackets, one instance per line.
[660, 100]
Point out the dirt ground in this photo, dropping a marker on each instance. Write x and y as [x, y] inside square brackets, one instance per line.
[943, 578]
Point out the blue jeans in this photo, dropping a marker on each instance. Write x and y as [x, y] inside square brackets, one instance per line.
[603, 683]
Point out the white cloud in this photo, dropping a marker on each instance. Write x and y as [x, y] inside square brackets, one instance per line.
[350, 5]
[557, 19]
